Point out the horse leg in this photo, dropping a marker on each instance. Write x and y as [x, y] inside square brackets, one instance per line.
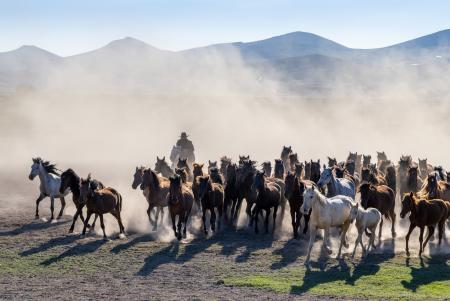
[52, 207]
[312, 237]
[63, 205]
[88, 216]
[294, 222]
[116, 214]
[149, 211]
[393, 218]
[248, 210]
[186, 218]
[343, 242]
[93, 223]
[372, 238]
[358, 239]
[256, 217]
[204, 220]
[39, 199]
[411, 228]
[237, 209]
[212, 221]
[103, 226]
[275, 209]
[430, 233]
[380, 230]
[306, 221]
[422, 229]
[266, 221]
[326, 235]
[75, 219]
[179, 224]
[162, 215]
[441, 228]
[220, 210]
[155, 225]
[173, 224]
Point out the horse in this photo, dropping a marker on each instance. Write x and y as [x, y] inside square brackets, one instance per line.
[99, 202]
[211, 164]
[183, 163]
[183, 175]
[244, 180]
[355, 157]
[69, 179]
[215, 176]
[367, 175]
[381, 156]
[365, 219]
[197, 172]
[307, 170]
[293, 159]
[383, 165]
[413, 182]
[435, 189]
[332, 162]
[326, 213]
[279, 169]
[287, 150]
[231, 189]
[155, 189]
[366, 160]
[299, 167]
[242, 159]
[391, 178]
[268, 197]
[424, 168]
[162, 167]
[180, 200]
[424, 213]
[293, 191]
[441, 172]
[212, 197]
[49, 186]
[336, 186]
[315, 171]
[382, 198]
[267, 168]
[350, 167]
[224, 162]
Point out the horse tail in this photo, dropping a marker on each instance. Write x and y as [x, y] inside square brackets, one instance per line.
[119, 199]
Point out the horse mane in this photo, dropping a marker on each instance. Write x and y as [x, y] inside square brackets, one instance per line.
[49, 168]
[155, 177]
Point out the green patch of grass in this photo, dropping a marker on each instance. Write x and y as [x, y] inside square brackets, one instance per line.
[392, 278]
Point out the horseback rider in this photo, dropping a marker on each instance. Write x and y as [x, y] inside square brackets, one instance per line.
[183, 149]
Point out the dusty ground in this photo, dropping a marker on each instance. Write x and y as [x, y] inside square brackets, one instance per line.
[39, 260]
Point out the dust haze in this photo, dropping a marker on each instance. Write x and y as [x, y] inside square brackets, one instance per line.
[119, 113]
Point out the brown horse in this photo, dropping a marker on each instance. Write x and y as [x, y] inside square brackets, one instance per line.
[162, 167]
[413, 182]
[382, 198]
[101, 201]
[267, 168]
[287, 150]
[366, 160]
[211, 196]
[299, 167]
[293, 191]
[268, 196]
[215, 176]
[435, 189]
[332, 162]
[183, 175]
[224, 162]
[211, 164]
[293, 159]
[307, 170]
[315, 171]
[231, 189]
[383, 165]
[69, 179]
[381, 156]
[279, 169]
[182, 163]
[155, 189]
[391, 177]
[424, 213]
[180, 202]
[424, 168]
[368, 176]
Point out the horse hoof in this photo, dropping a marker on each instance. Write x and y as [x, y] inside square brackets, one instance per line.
[154, 229]
[70, 231]
[329, 251]
[122, 236]
[394, 235]
[346, 245]
[53, 221]
[36, 216]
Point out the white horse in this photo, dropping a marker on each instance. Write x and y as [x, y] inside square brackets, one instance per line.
[326, 213]
[365, 219]
[49, 187]
[338, 186]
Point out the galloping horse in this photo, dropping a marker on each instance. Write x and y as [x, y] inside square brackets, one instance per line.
[326, 213]
[69, 179]
[211, 196]
[155, 189]
[50, 184]
[162, 167]
[180, 202]
[336, 186]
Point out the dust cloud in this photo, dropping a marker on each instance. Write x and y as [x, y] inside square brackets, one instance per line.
[108, 114]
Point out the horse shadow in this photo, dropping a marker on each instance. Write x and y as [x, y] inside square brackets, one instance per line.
[312, 278]
[52, 243]
[171, 254]
[31, 227]
[137, 240]
[78, 250]
[435, 269]
[290, 252]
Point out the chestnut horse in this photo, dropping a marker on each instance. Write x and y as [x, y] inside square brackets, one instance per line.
[180, 202]
[424, 213]
[211, 196]
[101, 201]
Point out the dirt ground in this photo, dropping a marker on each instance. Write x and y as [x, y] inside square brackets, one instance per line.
[39, 260]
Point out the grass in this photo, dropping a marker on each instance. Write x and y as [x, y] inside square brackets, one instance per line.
[374, 278]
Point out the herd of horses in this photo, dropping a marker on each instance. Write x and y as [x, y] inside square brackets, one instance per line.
[324, 196]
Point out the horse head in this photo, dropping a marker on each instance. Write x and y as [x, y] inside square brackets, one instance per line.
[381, 156]
[175, 192]
[35, 167]
[354, 212]
[308, 197]
[331, 162]
[137, 177]
[408, 203]
[325, 177]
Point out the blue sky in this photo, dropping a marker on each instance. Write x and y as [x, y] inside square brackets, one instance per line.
[67, 27]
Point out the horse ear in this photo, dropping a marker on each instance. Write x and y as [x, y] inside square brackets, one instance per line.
[201, 165]
[313, 187]
[157, 158]
[89, 177]
[136, 168]
[411, 194]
